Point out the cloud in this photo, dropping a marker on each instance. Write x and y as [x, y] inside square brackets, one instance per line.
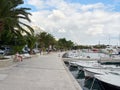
[95, 30]
[62, 31]
[84, 24]
[92, 6]
[56, 15]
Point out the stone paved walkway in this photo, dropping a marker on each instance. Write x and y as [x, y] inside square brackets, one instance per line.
[43, 72]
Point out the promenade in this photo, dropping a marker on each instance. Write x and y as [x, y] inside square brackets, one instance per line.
[41, 72]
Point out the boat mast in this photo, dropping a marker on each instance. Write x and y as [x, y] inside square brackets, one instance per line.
[109, 40]
[119, 40]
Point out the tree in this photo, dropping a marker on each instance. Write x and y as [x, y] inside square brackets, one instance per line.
[63, 44]
[7, 37]
[45, 40]
[18, 43]
[11, 15]
[15, 42]
[31, 40]
[41, 39]
[50, 40]
[70, 44]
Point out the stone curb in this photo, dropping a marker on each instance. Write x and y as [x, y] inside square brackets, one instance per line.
[74, 81]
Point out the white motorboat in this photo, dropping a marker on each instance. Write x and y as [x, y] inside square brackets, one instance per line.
[81, 64]
[73, 54]
[90, 72]
[79, 55]
[114, 59]
[95, 65]
[109, 81]
[86, 64]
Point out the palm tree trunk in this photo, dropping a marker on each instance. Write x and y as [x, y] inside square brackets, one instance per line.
[31, 51]
[1, 26]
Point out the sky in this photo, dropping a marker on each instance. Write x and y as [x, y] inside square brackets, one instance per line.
[85, 22]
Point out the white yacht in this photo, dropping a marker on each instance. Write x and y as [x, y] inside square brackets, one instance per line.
[90, 72]
[109, 81]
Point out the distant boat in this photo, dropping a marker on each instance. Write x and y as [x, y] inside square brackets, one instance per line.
[109, 81]
[93, 64]
[79, 55]
[114, 59]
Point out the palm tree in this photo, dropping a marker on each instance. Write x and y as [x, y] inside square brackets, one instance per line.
[7, 37]
[31, 41]
[41, 39]
[11, 15]
[45, 40]
[64, 44]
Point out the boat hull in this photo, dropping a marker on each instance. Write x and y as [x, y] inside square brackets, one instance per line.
[106, 86]
[88, 74]
[91, 72]
[109, 81]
